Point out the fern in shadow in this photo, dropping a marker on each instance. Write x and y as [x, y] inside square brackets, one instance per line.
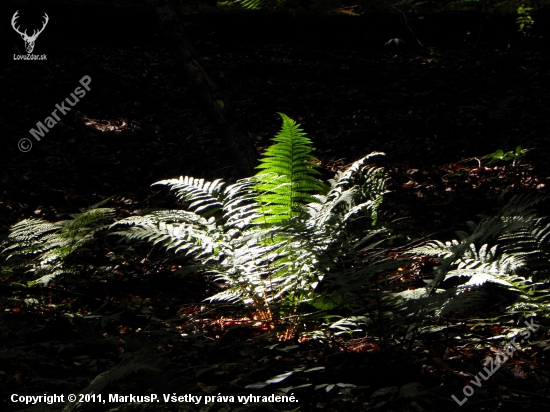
[508, 251]
[47, 249]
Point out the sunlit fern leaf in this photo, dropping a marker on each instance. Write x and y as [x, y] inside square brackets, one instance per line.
[262, 4]
[287, 179]
[180, 230]
[357, 191]
[204, 196]
[518, 238]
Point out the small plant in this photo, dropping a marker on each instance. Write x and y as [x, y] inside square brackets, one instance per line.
[525, 21]
[514, 157]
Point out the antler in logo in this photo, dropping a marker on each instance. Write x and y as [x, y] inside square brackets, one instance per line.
[29, 40]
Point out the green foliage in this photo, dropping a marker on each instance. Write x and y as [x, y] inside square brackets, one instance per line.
[47, 249]
[507, 157]
[268, 238]
[262, 4]
[290, 4]
[286, 181]
[503, 251]
[520, 8]
[525, 21]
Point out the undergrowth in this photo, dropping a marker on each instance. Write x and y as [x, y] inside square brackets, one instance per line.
[300, 276]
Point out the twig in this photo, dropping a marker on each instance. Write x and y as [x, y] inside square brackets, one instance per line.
[407, 24]
[480, 26]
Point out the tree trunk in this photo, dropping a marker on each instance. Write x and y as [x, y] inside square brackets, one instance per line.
[214, 100]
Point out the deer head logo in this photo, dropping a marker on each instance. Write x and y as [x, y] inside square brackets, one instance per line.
[29, 40]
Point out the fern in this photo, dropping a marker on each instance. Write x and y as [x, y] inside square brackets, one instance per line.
[277, 240]
[531, 244]
[273, 238]
[290, 4]
[287, 181]
[262, 4]
[502, 250]
[205, 196]
[46, 248]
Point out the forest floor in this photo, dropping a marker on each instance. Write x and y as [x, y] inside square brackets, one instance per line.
[434, 112]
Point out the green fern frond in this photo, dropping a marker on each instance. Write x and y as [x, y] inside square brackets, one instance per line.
[262, 4]
[287, 182]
